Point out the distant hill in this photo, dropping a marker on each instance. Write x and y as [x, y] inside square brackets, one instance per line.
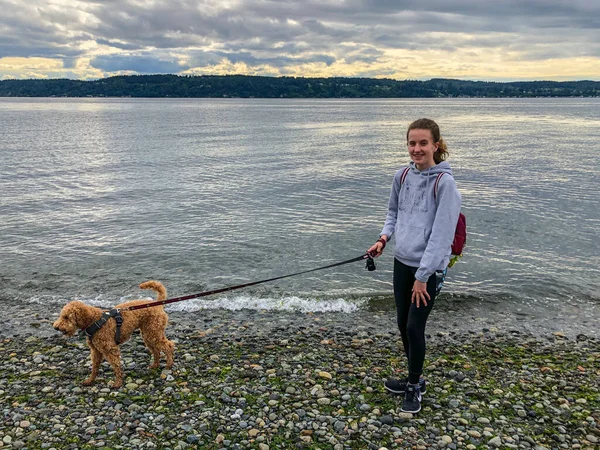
[289, 87]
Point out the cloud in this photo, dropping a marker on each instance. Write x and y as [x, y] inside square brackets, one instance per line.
[457, 38]
[143, 64]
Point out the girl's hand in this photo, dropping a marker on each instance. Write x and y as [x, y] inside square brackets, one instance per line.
[419, 293]
[376, 249]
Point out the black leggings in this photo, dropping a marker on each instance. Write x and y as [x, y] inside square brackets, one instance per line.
[412, 320]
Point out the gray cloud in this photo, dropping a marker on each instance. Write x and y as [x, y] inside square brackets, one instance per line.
[363, 55]
[116, 44]
[282, 61]
[166, 36]
[143, 64]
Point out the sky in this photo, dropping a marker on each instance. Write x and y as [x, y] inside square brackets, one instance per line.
[501, 40]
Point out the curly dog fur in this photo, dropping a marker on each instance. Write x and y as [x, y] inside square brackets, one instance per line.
[152, 323]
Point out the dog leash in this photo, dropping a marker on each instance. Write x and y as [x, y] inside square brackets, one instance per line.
[370, 266]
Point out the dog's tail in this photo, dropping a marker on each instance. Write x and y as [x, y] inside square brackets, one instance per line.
[155, 286]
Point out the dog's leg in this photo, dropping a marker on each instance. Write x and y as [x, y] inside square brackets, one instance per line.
[155, 357]
[168, 348]
[96, 360]
[153, 343]
[113, 356]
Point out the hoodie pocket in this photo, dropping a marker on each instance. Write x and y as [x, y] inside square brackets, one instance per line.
[411, 242]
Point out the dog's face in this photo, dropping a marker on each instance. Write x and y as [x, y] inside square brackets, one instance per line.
[69, 318]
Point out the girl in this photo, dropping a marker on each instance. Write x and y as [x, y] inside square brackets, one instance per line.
[422, 212]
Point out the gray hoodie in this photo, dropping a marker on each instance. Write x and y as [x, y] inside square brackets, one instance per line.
[424, 226]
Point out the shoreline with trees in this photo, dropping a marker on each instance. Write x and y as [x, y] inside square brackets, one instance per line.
[245, 86]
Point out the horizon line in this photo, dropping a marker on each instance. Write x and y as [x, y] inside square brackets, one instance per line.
[301, 77]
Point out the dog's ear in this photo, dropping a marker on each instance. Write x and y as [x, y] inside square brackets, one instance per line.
[76, 312]
[69, 313]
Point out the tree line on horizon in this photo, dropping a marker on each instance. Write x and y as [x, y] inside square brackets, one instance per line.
[246, 86]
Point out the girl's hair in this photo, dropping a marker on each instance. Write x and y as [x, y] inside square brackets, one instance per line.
[427, 124]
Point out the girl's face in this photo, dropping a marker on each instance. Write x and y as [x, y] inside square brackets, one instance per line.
[421, 148]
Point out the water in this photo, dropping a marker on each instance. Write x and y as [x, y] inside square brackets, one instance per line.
[98, 195]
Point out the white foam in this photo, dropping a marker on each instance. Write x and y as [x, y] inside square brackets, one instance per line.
[100, 300]
[234, 303]
[47, 300]
[271, 304]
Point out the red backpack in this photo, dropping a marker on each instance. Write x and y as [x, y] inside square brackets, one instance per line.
[460, 234]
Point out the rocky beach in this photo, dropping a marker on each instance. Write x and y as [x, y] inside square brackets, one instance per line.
[276, 380]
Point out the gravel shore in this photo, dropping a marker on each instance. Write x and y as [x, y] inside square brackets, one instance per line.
[271, 380]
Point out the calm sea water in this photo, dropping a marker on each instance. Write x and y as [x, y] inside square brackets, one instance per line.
[98, 195]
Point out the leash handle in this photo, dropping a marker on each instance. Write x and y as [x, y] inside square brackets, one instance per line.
[239, 286]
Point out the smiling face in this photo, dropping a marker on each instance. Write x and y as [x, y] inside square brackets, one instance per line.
[68, 319]
[421, 148]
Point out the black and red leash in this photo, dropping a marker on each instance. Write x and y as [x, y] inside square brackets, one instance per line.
[370, 267]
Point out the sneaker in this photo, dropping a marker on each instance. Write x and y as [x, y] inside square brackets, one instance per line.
[412, 399]
[399, 386]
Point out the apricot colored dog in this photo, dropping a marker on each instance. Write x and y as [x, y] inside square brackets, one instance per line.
[151, 322]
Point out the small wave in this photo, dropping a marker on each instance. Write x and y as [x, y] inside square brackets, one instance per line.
[341, 301]
[296, 304]
[101, 300]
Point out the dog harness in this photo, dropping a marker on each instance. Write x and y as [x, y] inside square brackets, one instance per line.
[93, 328]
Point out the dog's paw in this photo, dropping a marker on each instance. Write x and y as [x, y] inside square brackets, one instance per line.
[116, 384]
[88, 382]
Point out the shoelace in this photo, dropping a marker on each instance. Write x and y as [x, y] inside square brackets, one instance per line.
[411, 393]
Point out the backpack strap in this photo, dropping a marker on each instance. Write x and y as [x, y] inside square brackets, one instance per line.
[403, 176]
[435, 186]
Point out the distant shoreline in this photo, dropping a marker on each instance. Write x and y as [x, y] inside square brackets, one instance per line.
[243, 86]
[285, 98]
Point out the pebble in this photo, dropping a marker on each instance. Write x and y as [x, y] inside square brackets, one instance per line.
[496, 441]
